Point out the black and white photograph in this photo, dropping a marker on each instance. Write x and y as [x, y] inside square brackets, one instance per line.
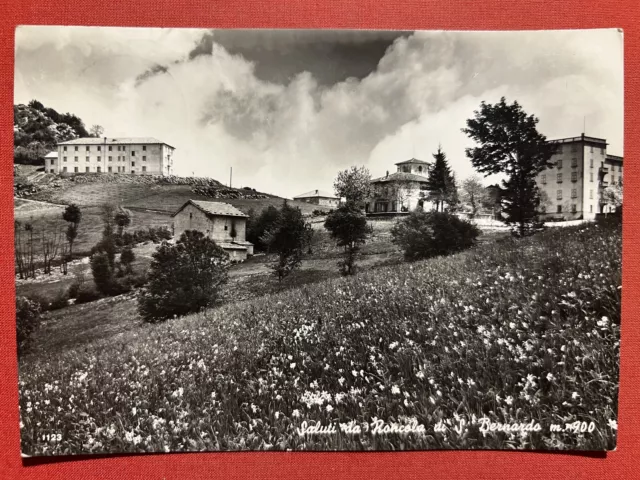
[317, 240]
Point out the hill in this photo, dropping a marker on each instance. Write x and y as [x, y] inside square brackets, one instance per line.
[37, 129]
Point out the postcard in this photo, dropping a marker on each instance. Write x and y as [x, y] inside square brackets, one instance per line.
[322, 240]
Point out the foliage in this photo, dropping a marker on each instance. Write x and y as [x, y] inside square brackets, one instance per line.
[509, 143]
[183, 278]
[102, 273]
[441, 183]
[72, 215]
[348, 226]
[429, 234]
[286, 238]
[96, 131]
[122, 219]
[522, 327]
[258, 225]
[611, 195]
[126, 258]
[474, 196]
[353, 184]
[27, 321]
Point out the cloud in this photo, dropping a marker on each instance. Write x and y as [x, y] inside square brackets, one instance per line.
[292, 135]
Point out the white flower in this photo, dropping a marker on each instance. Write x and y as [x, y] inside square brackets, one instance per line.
[395, 390]
[295, 413]
[509, 400]
[329, 408]
[341, 380]
[512, 325]
[420, 375]
[613, 424]
[134, 410]
[293, 365]
[550, 377]
[574, 395]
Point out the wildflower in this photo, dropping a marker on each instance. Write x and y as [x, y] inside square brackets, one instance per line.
[341, 380]
[550, 377]
[512, 325]
[293, 365]
[613, 424]
[329, 408]
[509, 400]
[133, 411]
[295, 413]
[395, 390]
[574, 395]
[420, 375]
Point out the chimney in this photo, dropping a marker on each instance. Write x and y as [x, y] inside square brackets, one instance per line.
[316, 192]
[387, 173]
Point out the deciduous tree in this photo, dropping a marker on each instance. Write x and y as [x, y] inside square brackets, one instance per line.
[354, 184]
[348, 226]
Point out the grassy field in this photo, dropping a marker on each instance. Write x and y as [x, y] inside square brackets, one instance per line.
[510, 331]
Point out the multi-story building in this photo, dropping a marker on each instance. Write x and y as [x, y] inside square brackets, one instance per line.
[401, 191]
[572, 188]
[133, 156]
[319, 197]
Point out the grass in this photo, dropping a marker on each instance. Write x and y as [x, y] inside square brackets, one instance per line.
[511, 331]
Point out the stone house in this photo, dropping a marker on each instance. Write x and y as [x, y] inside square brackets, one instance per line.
[221, 222]
[319, 197]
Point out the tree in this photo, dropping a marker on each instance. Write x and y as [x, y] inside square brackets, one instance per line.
[473, 195]
[183, 278]
[612, 196]
[428, 234]
[287, 239]
[441, 182]
[27, 321]
[122, 219]
[126, 259]
[348, 226]
[510, 144]
[102, 272]
[258, 225]
[51, 239]
[96, 131]
[354, 185]
[72, 215]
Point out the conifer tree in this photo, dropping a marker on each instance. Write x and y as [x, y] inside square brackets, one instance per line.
[441, 183]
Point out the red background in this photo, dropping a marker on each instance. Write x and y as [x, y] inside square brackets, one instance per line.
[371, 14]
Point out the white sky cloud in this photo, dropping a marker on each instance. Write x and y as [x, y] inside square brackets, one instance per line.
[294, 136]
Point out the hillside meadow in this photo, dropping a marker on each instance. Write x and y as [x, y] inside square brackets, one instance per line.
[510, 331]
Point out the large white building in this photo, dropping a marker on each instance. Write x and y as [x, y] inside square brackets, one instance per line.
[572, 188]
[401, 191]
[133, 156]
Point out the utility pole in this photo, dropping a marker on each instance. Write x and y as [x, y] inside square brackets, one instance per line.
[230, 175]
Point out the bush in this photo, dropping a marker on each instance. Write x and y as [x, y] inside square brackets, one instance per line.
[61, 300]
[183, 278]
[27, 321]
[424, 235]
[87, 293]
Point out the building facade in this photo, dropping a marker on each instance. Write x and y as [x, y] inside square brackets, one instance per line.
[133, 156]
[221, 222]
[401, 191]
[319, 197]
[573, 187]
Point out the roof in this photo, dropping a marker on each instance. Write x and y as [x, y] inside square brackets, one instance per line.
[316, 193]
[53, 154]
[214, 208]
[400, 177]
[581, 138]
[413, 161]
[231, 246]
[114, 141]
[613, 158]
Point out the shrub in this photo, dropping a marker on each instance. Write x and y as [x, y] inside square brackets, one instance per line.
[87, 293]
[27, 321]
[348, 226]
[102, 273]
[424, 235]
[61, 300]
[183, 278]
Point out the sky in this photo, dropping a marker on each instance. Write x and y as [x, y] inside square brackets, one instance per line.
[289, 109]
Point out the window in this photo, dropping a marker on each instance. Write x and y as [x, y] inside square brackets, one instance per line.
[76, 149]
[613, 180]
[144, 158]
[52, 170]
[590, 208]
[619, 177]
[559, 148]
[110, 147]
[144, 168]
[99, 148]
[559, 210]
[110, 158]
[64, 159]
[110, 169]
[574, 193]
[574, 148]
[574, 162]
[87, 169]
[590, 193]
[544, 179]
[118, 149]
[124, 148]
[226, 227]
[591, 163]
[87, 159]
[75, 169]
[99, 159]
[144, 148]
[591, 148]
[53, 160]
[133, 153]
[64, 148]
[591, 177]
[574, 176]
[559, 163]
[574, 208]
[559, 178]
[133, 171]
[88, 148]
[559, 195]
[64, 169]
[75, 159]
[98, 169]
[133, 164]
[601, 150]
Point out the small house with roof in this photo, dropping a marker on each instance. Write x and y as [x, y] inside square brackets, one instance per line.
[221, 222]
[401, 191]
[319, 197]
[51, 162]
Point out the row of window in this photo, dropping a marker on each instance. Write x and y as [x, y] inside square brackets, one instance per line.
[574, 209]
[121, 148]
[121, 158]
[574, 148]
[99, 170]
